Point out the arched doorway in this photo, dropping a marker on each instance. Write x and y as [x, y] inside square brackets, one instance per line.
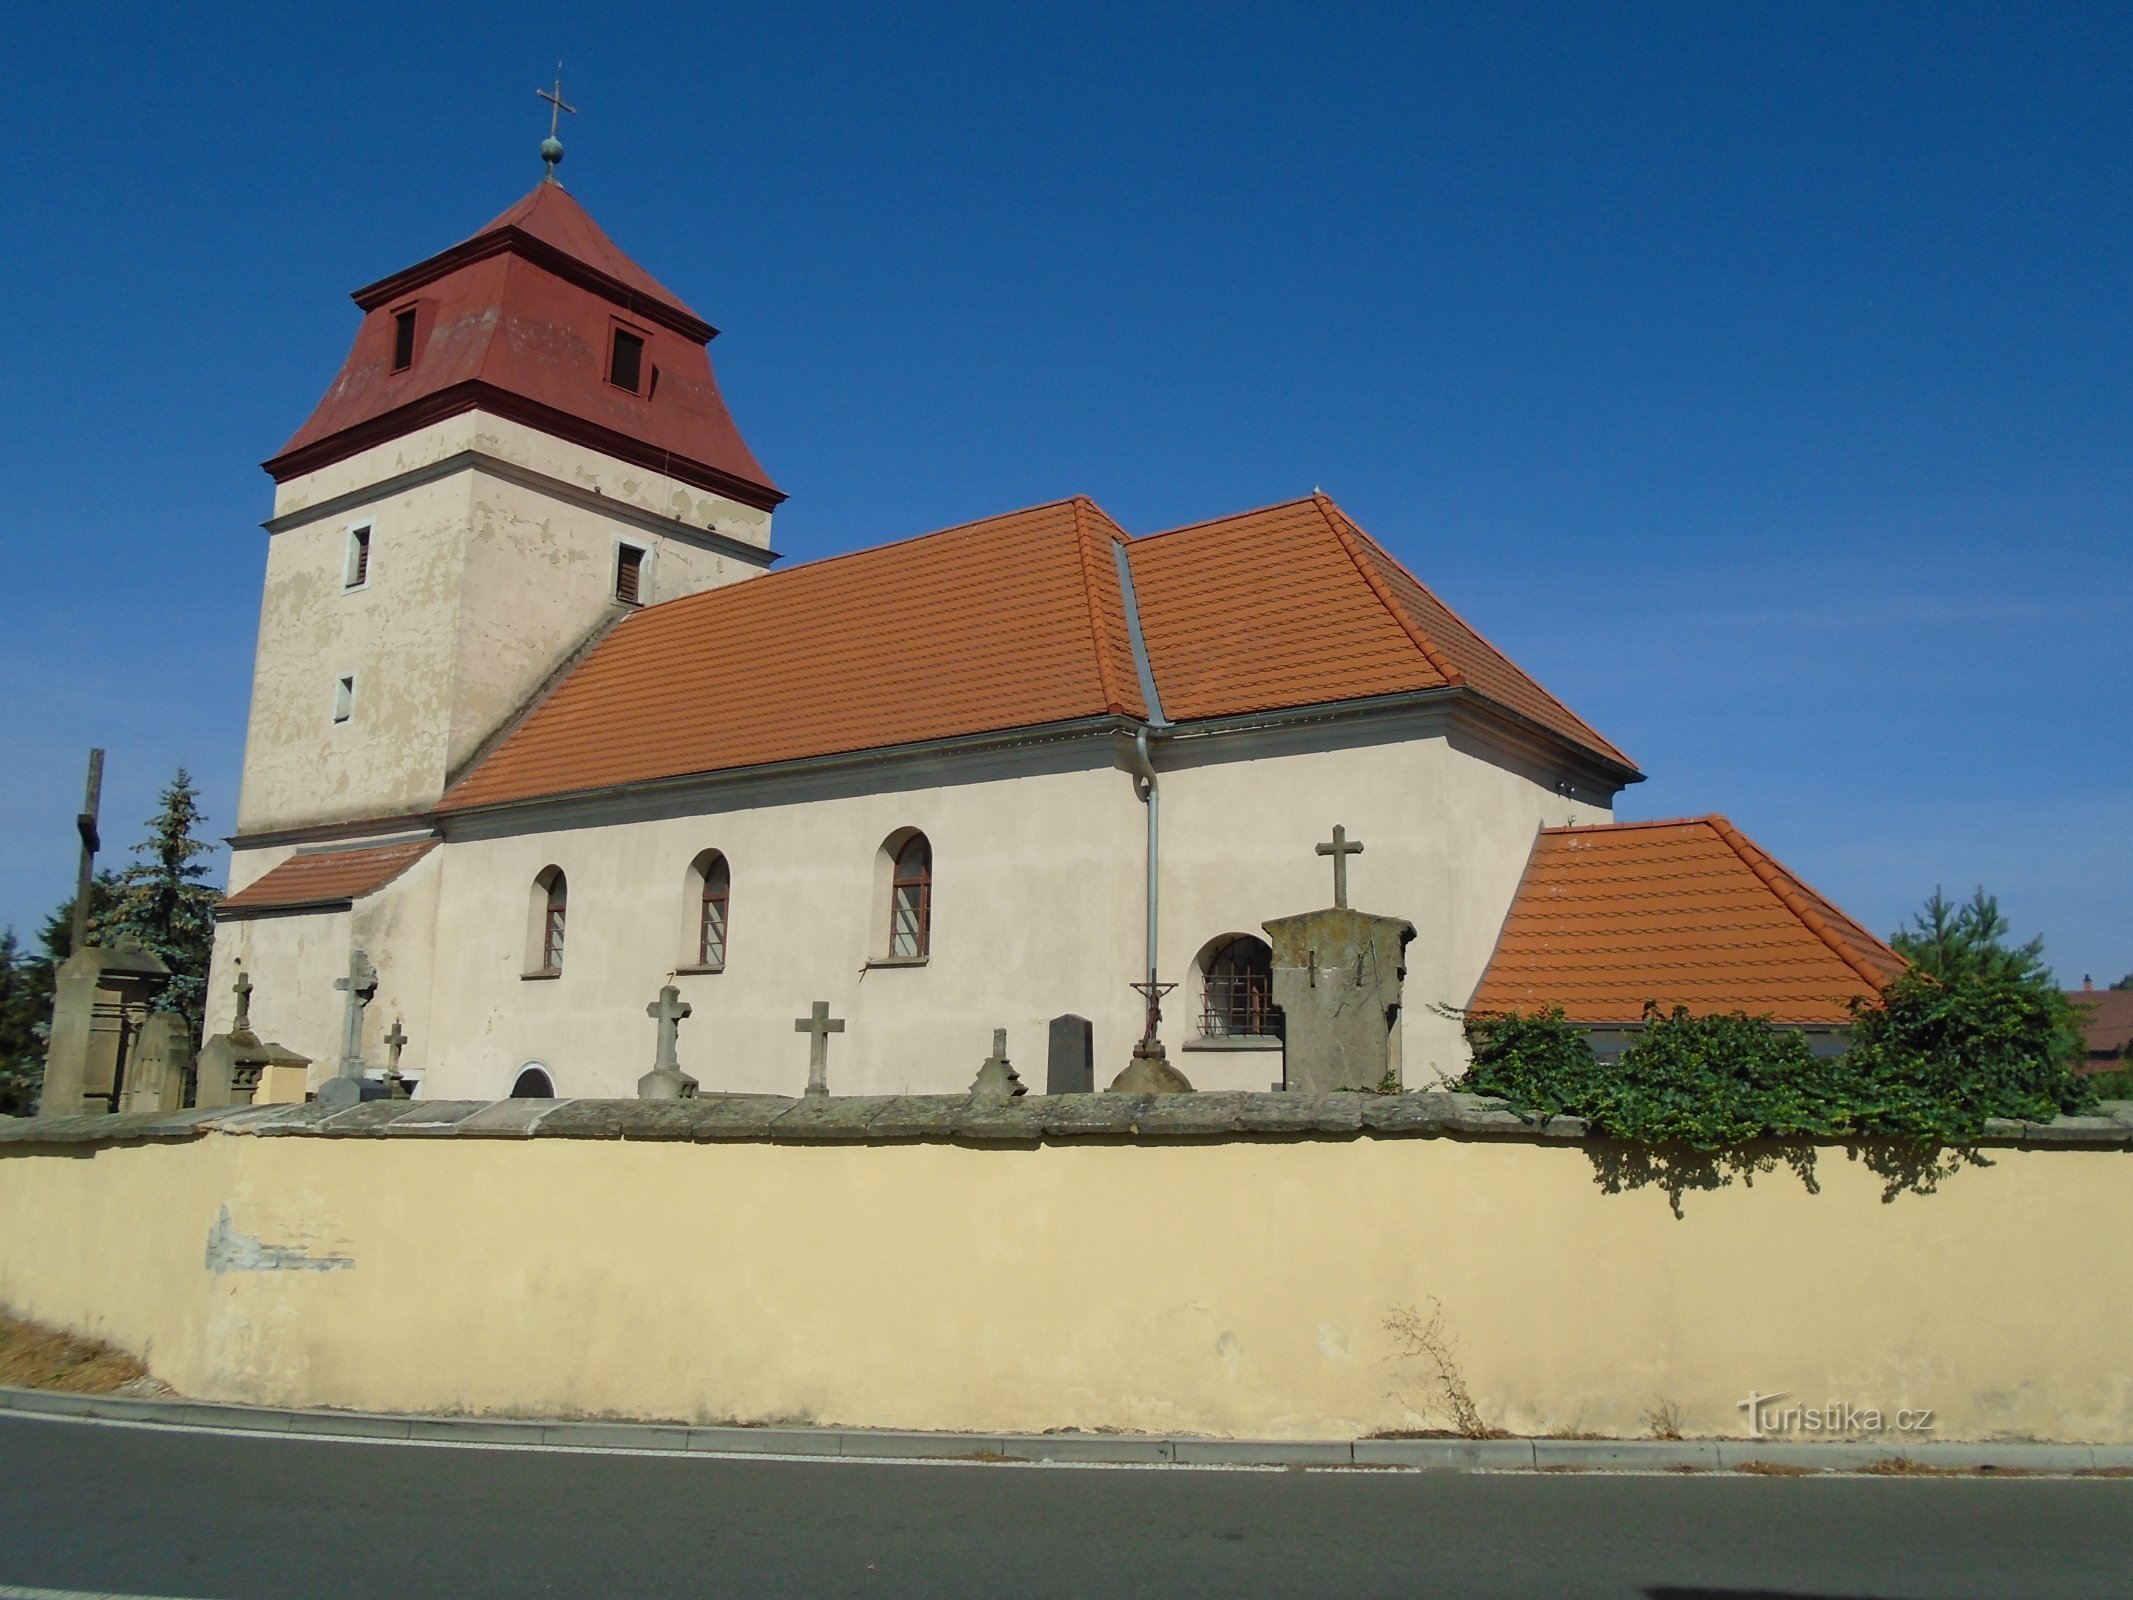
[533, 1083]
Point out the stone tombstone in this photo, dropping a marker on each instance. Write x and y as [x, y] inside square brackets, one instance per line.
[1338, 975]
[100, 1000]
[997, 1078]
[666, 1080]
[234, 1067]
[162, 1060]
[1070, 1059]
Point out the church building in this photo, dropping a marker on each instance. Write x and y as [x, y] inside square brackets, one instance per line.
[541, 725]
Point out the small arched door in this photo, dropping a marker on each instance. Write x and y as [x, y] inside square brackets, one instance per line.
[533, 1083]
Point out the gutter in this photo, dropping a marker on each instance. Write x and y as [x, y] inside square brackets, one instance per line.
[1144, 778]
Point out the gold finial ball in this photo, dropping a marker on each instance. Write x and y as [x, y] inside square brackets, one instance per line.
[551, 150]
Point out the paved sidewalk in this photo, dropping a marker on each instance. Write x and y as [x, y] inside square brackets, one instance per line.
[1140, 1450]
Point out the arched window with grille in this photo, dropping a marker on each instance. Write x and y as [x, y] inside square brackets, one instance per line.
[911, 899]
[550, 912]
[1237, 990]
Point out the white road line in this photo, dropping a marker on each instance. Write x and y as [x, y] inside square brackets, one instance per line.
[9, 1591]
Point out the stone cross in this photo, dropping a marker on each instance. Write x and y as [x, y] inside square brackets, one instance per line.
[243, 986]
[666, 1080]
[821, 1025]
[1340, 850]
[997, 1078]
[360, 984]
[668, 1011]
[396, 1041]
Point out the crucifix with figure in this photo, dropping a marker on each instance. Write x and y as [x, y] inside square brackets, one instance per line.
[1340, 849]
[820, 1026]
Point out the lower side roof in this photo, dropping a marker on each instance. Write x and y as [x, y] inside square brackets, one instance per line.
[1689, 912]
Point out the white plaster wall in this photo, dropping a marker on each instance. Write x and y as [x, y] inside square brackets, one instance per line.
[293, 961]
[478, 588]
[1446, 833]
[1036, 911]
[538, 452]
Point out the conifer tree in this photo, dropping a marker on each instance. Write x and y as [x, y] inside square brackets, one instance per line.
[21, 1051]
[161, 901]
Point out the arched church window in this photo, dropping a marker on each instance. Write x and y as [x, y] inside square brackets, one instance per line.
[711, 889]
[1237, 993]
[533, 1084]
[911, 900]
[551, 910]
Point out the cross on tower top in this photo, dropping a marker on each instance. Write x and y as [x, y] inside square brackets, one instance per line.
[552, 146]
[1340, 849]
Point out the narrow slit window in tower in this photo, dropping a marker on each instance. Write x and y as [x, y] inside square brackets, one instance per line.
[403, 339]
[625, 365]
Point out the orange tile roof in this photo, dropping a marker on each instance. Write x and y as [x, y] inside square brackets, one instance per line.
[1688, 912]
[1012, 622]
[1295, 605]
[326, 877]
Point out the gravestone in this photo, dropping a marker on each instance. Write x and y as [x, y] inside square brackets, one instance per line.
[1070, 1058]
[233, 1067]
[100, 999]
[997, 1078]
[819, 1025]
[666, 1080]
[351, 1086]
[162, 1060]
[1338, 978]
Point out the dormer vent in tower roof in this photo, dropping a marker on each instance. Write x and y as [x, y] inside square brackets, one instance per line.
[520, 320]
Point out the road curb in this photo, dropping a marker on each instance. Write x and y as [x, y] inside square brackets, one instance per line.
[885, 1444]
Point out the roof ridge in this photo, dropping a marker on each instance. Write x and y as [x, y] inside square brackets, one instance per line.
[1643, 822]
[820, 562]
[1346, 533]
[1227, 516]
[1485, 641]
[1781, 882]
[1114, 699]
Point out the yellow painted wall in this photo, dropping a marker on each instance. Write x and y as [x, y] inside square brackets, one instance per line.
[1234, 1288]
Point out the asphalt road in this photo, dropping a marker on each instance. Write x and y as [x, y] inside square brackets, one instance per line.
[110, 1510]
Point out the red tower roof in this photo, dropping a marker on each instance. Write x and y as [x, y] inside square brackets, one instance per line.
[520, 320]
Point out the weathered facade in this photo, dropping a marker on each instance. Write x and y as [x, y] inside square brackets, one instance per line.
[534, 728]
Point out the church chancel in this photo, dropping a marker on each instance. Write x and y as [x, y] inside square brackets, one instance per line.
[544, 729]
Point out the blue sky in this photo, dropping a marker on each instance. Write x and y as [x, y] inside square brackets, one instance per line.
[1758, 377]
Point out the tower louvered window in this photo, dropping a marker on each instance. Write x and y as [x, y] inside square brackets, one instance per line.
[629, 575]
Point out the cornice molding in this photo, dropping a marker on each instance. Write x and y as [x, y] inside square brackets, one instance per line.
[495, 466]
[477, 395]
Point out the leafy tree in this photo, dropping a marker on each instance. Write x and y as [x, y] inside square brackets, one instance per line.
[2124, 983]
[161, 901]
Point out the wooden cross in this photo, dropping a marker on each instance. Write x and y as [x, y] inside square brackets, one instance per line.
[1340, 850]
[85, 825]
[820, 1025]
[396, 1041]
[243, 986]
[1152, 992]
[667, 1011]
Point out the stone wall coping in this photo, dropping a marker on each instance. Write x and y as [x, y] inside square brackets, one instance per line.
[943, 1118]
[1441, 1454]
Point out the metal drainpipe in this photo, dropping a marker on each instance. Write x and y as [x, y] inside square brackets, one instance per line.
[1152, 798]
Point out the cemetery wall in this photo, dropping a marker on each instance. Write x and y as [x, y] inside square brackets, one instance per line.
[693, 1261]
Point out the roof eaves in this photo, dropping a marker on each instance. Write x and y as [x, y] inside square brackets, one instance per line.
[1781, 883]
[1339, 527]
[1114, 697]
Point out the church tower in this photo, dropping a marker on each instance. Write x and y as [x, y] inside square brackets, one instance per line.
[525, 443]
